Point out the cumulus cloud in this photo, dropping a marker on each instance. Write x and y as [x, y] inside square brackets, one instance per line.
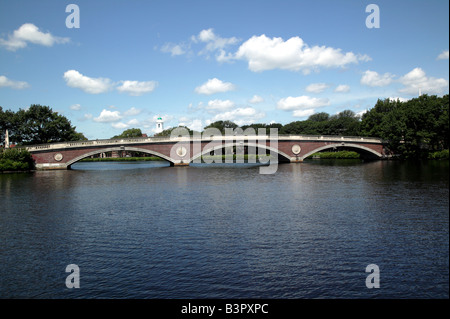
[213, 86]
[361, 113]
[108, 116]
[303, 113]
[17, 85]
[301, 102]
[443, 55]
[240, 116]
[214, 43]
[219, 105]
[132, 112]
[372, 78]
[417, 81]
[75, 79]
[90, 85]
[29, 33]
[342, 88]
[120, 125]
[136, 88]
[75, 107]
[173, 49]
[264, 53]
[317, 87]
[256, 99]
[195, 124]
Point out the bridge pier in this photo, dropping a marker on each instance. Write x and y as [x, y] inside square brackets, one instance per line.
[296, 160]
[51, 166]
[179, 164]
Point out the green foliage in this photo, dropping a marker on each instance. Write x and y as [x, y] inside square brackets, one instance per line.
[15, 159]
[444, 154]
[132, 132]
[37, 125]
[266, 127]
[222, 125]
[179, 130]
[413, 128]
[345, 123]
[337, 155]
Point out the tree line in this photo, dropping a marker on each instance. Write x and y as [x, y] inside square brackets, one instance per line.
[37, 125]
[411, 129]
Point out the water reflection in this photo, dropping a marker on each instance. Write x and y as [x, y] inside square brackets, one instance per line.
[147, 230]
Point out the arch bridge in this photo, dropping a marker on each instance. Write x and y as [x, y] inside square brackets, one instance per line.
[183, 150]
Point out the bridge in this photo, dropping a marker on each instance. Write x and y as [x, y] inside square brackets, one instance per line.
[183, 150]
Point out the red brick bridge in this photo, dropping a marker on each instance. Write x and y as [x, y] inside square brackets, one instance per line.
[182, 150]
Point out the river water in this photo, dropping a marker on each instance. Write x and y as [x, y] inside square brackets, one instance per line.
[146, 230]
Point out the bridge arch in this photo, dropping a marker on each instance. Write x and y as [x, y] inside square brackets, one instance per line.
[207, 151]
[121, 148]
[340, 145]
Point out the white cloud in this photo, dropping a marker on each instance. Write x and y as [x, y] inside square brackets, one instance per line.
[395, 98]
[416, 81]
[219, 105]
[28, 32]
[361, 113]
[130, 123]
[303, 113]
[173, 49]
[301, 102]
[213, 86]
[132, 111]
[240, 116]
[108, 116]
[75, 79]
[214, 42]
[256, 99]
[136, 88]
[120, 125]
[372, 78]
[443, 55]
[75, 107]
[317, 87]
[342, 88]
[18, 85]
[195, 125]
[263, 53]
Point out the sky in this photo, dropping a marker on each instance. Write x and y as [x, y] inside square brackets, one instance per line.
[109, 66]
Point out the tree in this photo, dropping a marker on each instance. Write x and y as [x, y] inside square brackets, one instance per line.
[168, 132]
[319, 117]
[132, 132]
[222, 125]
[38, 125]
[413, 128]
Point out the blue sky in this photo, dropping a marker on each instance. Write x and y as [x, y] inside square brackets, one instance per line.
[195, 62]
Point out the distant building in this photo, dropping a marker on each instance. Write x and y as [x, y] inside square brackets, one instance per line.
[159, 125]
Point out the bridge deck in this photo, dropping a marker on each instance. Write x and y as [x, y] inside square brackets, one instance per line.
[168, 139]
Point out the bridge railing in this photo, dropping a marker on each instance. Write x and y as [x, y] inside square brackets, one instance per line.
[143, 140]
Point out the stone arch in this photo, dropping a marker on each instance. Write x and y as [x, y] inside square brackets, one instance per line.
[356, 146]
[120, 148]
[256, 145]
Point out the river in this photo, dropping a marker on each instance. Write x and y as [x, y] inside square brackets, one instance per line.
[147, 230]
